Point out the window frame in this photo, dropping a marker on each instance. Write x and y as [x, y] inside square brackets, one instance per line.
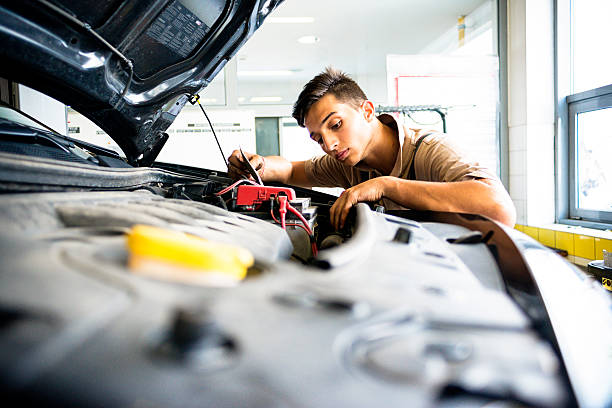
[588, 101]
[567, 108]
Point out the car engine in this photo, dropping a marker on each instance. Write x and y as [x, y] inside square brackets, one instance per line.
[399, 306]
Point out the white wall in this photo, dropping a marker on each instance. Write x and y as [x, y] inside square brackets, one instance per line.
[466, 85]
[192, 143]
[531, 110]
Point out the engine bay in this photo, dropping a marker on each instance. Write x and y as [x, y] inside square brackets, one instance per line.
[410, 310]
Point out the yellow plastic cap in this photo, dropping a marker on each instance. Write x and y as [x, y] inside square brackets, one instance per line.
[168, 250]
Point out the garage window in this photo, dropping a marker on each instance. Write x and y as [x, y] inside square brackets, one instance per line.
[590, 137]
[585, 114]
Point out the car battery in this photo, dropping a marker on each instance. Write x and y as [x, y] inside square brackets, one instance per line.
[302, 204]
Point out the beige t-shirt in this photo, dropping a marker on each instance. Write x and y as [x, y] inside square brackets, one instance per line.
[438, 159]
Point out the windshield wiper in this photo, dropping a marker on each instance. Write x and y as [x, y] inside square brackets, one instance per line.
[27, 134]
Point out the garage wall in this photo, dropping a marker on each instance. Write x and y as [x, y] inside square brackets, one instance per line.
[531, 110]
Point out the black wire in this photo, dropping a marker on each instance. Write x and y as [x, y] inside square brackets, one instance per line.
[214, 134]
[222, 202]
[127, 84]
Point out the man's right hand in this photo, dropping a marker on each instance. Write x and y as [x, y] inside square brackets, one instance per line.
[238, 169]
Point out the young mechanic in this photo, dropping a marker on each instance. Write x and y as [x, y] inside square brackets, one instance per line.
[376, 158]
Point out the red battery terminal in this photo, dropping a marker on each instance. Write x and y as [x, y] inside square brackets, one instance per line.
[255, 195]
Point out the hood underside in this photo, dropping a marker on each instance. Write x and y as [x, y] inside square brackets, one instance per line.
[128, 65]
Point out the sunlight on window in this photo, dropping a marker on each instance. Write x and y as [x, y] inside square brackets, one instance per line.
[594, 145]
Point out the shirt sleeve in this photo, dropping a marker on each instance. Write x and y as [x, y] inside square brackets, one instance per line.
[325, 171]
[439, 159]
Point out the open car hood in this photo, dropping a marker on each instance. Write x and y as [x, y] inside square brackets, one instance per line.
[128, 65]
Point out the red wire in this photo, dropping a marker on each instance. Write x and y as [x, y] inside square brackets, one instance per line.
[226, 189]
[282, 209]
[288, 224]
[304, 224]
[273, 217]
[306, 227]
[301, 217]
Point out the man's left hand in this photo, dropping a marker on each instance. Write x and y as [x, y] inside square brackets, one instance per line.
[371, 190]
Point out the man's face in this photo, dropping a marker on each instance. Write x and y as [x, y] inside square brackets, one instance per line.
[342, 131]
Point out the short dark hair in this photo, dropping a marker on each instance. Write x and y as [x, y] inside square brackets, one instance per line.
[330, 81]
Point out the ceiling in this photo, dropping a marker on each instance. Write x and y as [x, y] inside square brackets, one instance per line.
[354, 36]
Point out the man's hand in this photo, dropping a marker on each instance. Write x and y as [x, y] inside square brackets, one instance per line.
[238, 169]
[371, 190]
[269, 168]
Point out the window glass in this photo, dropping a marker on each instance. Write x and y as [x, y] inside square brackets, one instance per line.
[584, 69]
[591, 58]
[594, 144]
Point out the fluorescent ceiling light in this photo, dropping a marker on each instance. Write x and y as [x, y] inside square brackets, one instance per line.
[290, 20]
[284, 72]
[308, 39]
[241, 99]
[266, 99]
